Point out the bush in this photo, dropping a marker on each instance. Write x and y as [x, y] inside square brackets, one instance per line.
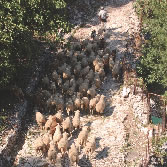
[153, 63]
[20, 21]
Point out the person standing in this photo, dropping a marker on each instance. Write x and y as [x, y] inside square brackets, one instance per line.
[102, 16]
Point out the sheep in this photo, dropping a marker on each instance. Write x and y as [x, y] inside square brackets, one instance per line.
[97, 80]
[67, 125]
[46, 140]
[83, 88]
[59, 117]
[93, 34]
[45, 82]
[71, 90]
[91, 58]
[92, 103]
[76, 119]
[111, 63]
[85, 43]
[84, 71]
[100, 106]
[82, 137]
[59, 81]
[63, 144]
[113, 53]
[48, 123]
[90, 76]
[77, 101]
[60, 103]
[55, 76]
[106, 62]
[76, 46]
[69, 106]
[52, 153]
[84, 62]
[117, 70]
[41, 120]
[85, 103]
[88, 49]
[99, 66]
[67, 74]
[18, 93]
[101, 73]
[53, 87]
[53, 125]
[73, 155]
[77, 68]
[40, 146]
[57, 135]
[65, 86]
[90, 147]
[92, 91]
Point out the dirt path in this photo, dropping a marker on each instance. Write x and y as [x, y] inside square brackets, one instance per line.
[110, 130]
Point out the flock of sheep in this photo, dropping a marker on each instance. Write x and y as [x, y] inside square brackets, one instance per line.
[71, 86]
[57, 136]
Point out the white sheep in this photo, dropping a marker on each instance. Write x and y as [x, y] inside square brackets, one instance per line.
[69, 106]
[41, 120]
[73, 155]
[57, 135]
[90, 147]
[92, 91]
[100, 106]
[52, 153]
[63, 144]
[59, 116]
[92, 103]
[40, 146]
[67, 125]
[46, 140]
[76, 119]
[85, 103]
[82, 137]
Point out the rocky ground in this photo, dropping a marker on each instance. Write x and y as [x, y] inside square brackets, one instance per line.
[120, 140]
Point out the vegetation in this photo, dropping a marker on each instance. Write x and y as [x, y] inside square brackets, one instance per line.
[153, 64]
[21, 22]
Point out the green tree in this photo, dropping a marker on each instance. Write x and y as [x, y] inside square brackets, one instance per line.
[153, 63]
[20, 22]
